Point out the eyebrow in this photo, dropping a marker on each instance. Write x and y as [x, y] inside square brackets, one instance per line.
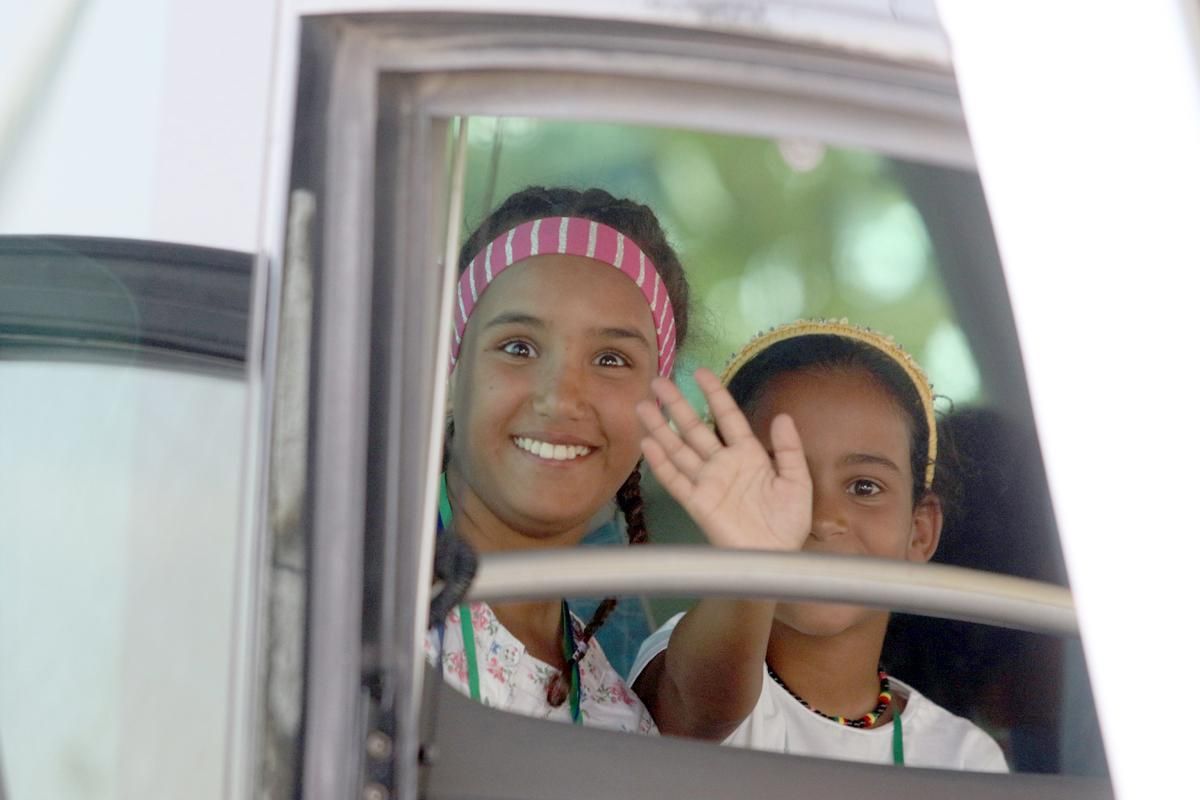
[870, 458]
[515, 318]
[521, 318]
[624, 333]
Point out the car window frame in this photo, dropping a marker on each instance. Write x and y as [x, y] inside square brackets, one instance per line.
[375, 118]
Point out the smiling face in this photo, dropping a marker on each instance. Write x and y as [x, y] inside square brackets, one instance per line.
[856, 441]
[555, 357]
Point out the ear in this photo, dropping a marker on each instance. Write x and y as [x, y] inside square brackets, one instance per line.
[926, 528]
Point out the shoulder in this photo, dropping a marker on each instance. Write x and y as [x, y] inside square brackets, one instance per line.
[655, 643]
[948, 740]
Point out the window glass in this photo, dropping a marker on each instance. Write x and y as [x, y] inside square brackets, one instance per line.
[771, 231]
[768, 231]
[120, 511]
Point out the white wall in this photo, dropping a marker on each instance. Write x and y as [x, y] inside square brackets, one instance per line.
[149, 122]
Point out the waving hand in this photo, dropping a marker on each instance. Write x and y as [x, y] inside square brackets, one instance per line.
[733, 490]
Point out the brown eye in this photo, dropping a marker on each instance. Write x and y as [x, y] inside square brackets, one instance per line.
[611, 359]
[864, 487]
[519, 348]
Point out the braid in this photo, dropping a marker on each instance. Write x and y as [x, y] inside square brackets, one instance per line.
[606, 607]
[556, 692]
[629, 500]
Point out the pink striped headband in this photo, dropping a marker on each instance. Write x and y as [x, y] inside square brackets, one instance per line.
[572, 236]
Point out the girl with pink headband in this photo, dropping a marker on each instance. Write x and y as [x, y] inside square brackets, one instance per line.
[568, 305]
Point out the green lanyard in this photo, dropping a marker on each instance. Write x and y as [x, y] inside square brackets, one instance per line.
[464, 610]
[468, 631]
[568, 626]
[468, 634]
[897, 741]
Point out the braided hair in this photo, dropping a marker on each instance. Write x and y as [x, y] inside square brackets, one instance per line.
[640, 224]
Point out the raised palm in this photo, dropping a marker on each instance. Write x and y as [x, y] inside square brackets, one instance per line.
[732, 489]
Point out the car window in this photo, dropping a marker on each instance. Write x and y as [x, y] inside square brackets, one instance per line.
[122, 479]
[122, 488]
[788, 202]
[769, 231]
[775, 230]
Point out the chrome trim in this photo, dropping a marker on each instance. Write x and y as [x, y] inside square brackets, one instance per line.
[644, 74]
[338, 408]
[934, 590]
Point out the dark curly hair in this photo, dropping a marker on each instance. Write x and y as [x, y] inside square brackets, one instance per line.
[639, 224]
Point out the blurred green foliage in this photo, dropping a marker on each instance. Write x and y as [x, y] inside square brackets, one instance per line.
[769, 232]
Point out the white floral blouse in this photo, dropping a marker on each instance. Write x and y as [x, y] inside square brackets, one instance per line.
[513, 680]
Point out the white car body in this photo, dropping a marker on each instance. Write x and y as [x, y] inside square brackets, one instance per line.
[173, 121]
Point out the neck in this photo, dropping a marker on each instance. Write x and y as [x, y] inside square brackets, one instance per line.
[535, 623]
[837, 675]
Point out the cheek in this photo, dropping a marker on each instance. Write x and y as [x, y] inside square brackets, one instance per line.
[890, 528]
[622, 427]
[485, 400]
[624, 419]
[500, 384]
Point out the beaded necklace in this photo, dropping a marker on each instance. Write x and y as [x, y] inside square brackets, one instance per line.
[868, 720]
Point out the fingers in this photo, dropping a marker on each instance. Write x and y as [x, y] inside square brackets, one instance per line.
[673, 449]
[695, 433]
[790, 463]
[678, 485]
[725, 412]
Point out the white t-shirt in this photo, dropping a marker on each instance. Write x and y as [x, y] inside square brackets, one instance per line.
[513, 680]
[933, 737]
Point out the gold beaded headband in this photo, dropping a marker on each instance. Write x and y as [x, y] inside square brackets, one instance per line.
[843, 329]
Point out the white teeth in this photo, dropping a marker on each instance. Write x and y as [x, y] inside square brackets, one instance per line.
[551, 452]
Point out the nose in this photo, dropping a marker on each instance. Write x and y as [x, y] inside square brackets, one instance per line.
[828, 520]
[561, 389]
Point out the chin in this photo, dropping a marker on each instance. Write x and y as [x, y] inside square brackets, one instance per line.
[543, 518]
[821, 619]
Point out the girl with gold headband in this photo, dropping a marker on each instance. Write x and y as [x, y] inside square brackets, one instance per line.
[568, 304]
[827, 443]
